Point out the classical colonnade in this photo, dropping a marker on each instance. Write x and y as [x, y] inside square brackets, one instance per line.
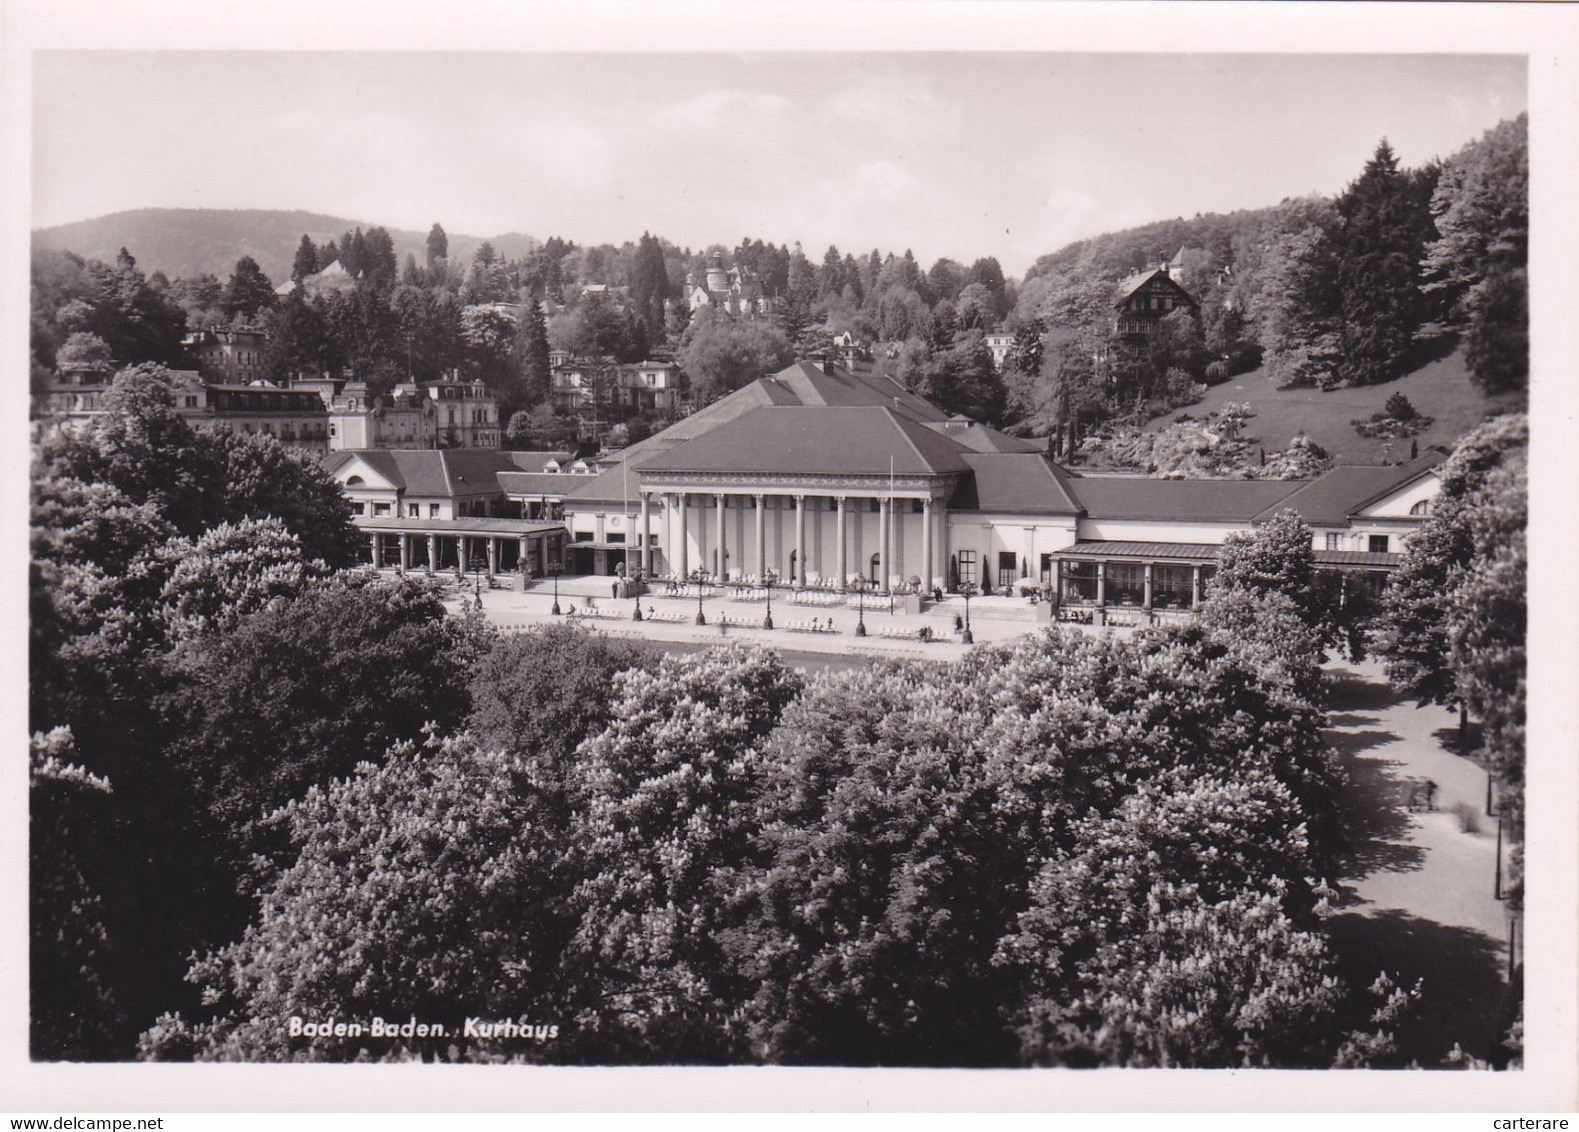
[756, 556]
[533, 551]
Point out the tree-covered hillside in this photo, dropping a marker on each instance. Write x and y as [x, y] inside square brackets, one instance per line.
[197, 241]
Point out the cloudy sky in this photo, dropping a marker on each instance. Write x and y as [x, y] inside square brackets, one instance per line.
[961, 154]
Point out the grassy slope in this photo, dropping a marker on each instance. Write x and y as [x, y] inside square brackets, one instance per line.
[1439, 389]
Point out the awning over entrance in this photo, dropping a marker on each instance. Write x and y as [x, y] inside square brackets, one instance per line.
[1100, 550]
[1194, 553]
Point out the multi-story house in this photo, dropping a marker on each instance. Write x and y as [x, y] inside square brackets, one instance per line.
[466, 413]
[233, 356]
[1146, 299]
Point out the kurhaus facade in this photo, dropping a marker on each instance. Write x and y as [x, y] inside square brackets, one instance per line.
[827, 477]
[822, 477]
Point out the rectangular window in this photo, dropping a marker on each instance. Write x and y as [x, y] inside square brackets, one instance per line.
[1334, 541]
[967, 567]
[433, 510]
[1379, 544]
[380, 508]
[1008, 568]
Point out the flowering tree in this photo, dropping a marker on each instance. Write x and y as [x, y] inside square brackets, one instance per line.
[405, 898]
[667, 817]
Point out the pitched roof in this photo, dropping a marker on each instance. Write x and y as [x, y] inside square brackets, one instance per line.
[980, 438]
[430, 472]
[536, 461]
[1128, 287]
[800, 384]
[1013, 482]
[1208, 501]
[799, 439]
[1332, 498]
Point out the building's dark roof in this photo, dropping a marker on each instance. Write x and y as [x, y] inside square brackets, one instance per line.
[554, 486]
[801, 384]
[800, 440]
[1208, 501]
[535, 461]
[980, 438]
[1013, 483]
[471, 525]
[1102, 548]
[1331, 499]
[432, 472]
[1357, 558]
[1128, 287]
[1207, 551]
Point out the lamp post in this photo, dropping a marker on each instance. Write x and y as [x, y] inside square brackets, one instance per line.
[768, 578]
[696, 576]
[967, 637]
[556, 568]
[635, 579]
[860, 605]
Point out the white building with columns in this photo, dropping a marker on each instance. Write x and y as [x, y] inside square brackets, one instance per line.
[826, 478]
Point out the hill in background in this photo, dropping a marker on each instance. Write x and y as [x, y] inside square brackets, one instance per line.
[191, 241]
[1441, 389]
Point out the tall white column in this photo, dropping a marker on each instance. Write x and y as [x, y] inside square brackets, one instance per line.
[493, 557]
[800, 542]
[684, 556]
[405, 553]
[844, 569]
[723, 547]
[762, 535]
[645, 536]
[884, 569]
[433, 554]
[927, 573]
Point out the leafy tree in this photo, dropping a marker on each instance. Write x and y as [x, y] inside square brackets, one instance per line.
[1380, 242]
[1497, 341]
[227, 573]
[542, 429]
[295, 343]
[306, 261]
[720, 355]
[405, 897]
[73, 1012]
[1278, 557]
[134, 320]
[488, 335]
[87, 355]
[438, 247]
[882, 901]
[666, 817]
[538, 694]
[249, 292]
[531, 351]
[1477, 263]
[303, 688]
[1194, 960]
[380, 267]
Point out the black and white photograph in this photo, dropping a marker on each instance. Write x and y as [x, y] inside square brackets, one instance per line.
[997, 544]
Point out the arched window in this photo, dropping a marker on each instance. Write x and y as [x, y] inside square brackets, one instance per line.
[354, 481]
[1422, 508]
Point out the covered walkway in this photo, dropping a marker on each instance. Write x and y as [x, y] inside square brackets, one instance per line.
[1111, 582]
[492, 546]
